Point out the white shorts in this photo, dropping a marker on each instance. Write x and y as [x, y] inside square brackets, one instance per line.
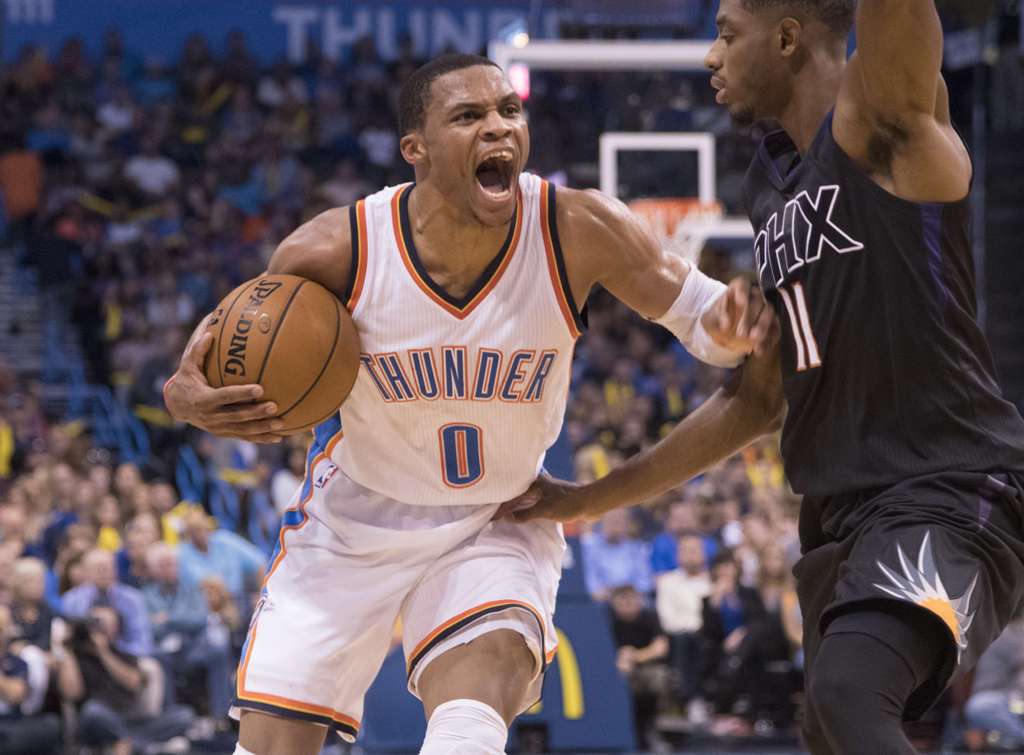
[352, 562]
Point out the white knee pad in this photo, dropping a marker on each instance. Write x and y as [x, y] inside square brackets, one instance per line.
[239, 750]
[465, 727]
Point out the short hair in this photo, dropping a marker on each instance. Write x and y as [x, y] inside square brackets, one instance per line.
[27, 566]
[621, 590]
[414, 97]
[836, 14]
[723, 557]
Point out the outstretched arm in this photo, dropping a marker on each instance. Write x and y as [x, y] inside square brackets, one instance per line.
[747, 407]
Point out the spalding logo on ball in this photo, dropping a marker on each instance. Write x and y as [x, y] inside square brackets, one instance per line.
[291, 336]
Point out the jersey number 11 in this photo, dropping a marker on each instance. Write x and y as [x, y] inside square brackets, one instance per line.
[807, 355]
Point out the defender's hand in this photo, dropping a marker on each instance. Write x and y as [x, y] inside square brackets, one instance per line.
[229, 412]
[547, 498]
[740, 319]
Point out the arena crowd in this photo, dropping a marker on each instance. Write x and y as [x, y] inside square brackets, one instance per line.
[136, 194]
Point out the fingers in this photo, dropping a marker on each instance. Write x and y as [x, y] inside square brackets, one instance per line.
[754, 308]
[245, 429]
[263, 438]
[528, 515]
[213, 399]
[241, 413]
[524, 501]
[196, 354]
[761, 332]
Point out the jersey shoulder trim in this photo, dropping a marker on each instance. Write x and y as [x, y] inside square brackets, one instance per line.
[357, 273]
[459, 308]
[556, 260]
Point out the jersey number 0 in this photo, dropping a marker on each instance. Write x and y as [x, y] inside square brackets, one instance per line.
[462, 454]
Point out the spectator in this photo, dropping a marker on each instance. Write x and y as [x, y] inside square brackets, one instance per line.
[20, 734]
[738, 640]
[188, 637]
[613, 557]
[151, 172]
[132, 565]
[223, 609]
[127, 480]
[210, 552]
[110, 684]
[996, 703]
[680, 600]
[778, 593]
[642, 650]
[32, 617]
[681, 520]
[286, 480]
[108, 524]
[101, 588]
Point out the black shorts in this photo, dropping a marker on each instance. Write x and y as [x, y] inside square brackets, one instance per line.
[951, 544]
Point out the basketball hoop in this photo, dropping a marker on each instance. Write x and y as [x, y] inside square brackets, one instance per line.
[679, 223]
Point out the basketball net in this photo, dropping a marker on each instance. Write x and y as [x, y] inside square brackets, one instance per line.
[681, 224]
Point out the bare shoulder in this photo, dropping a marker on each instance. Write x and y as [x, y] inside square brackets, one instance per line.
[320, 249]
[605, 242]
[915, 155]
[601, 227]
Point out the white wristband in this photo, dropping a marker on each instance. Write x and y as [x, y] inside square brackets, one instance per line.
[683, 318]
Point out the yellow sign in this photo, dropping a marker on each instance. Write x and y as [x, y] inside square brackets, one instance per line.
[569, 677]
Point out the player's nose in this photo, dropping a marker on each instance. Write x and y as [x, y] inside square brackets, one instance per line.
[494, 126]
[713, 60]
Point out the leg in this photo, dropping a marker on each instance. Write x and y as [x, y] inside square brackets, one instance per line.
[266, 734]
[212, 653]
[472, 692]
[323, 627]
[31, 735]
[990, 711]
[496, 668]
[98, 724]
[869, 664]
[478, 632]
[170, 723]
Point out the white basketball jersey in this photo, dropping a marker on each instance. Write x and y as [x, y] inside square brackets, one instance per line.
[457, 400]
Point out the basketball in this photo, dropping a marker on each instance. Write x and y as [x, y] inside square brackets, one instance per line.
[293, 337]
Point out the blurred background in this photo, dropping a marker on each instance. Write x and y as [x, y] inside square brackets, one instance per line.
[152, 156]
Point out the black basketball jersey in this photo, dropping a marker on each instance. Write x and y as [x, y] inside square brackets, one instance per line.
[885, 370]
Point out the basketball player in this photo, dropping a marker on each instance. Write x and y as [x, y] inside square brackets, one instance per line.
[897, 435]
[464, 289]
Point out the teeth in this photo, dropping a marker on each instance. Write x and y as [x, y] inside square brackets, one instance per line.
[500, 156]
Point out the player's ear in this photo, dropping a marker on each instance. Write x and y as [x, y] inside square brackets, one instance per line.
[790, 32]
[412, 147]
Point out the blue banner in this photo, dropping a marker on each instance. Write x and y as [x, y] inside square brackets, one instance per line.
[273, 28]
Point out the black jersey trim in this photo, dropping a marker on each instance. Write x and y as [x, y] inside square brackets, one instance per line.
[556, 247]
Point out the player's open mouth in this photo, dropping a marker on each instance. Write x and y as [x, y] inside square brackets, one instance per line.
[494, 173]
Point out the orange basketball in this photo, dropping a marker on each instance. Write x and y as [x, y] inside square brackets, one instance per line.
[291, 336]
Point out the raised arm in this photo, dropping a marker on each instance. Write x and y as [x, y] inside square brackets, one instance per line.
[892, 115]
[899, 46]
[320, 250]
[748, 406]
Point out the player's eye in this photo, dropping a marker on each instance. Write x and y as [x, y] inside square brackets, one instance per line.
[466, 115]
[513, 110]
